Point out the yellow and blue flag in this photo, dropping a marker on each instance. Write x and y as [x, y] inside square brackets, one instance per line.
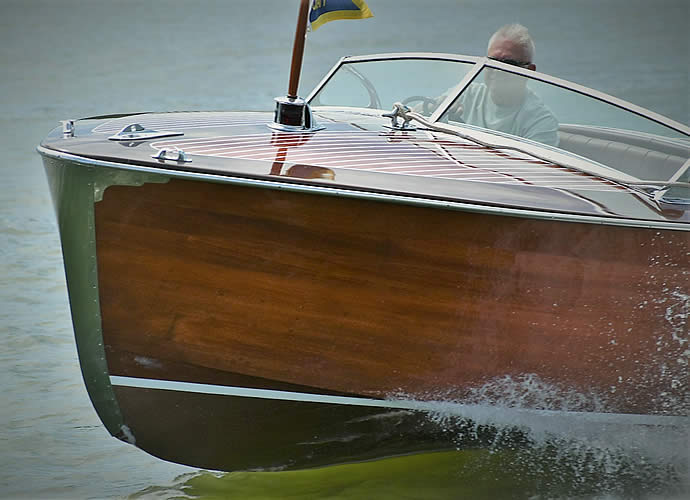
[323, 11]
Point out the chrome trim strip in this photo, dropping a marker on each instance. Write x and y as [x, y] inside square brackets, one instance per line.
[459, 89]
[680, 172]
[464, 410]
[441, 56]
[324, 80]
[367, 195]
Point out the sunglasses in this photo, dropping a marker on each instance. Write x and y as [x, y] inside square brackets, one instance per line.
[512, 62]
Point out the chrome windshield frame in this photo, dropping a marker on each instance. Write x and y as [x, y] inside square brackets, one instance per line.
[429, 56]
[586, 91]
[482, 62]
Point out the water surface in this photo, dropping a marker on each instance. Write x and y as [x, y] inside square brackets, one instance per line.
[63, 59]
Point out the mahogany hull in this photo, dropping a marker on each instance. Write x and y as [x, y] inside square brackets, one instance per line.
[227, 326]
[376, 299]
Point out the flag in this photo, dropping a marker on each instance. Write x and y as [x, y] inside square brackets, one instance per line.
[323, 11]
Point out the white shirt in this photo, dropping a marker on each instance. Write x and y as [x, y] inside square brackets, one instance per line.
[531, 119]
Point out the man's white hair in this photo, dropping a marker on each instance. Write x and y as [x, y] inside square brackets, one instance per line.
[517, 34]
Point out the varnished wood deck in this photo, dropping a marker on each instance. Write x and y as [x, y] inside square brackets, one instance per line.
[419, 153]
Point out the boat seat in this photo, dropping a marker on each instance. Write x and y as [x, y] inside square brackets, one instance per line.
[641, 162]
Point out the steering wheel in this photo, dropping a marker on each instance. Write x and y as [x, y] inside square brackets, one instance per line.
[428, 104]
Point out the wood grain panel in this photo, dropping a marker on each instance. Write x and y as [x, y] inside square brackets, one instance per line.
[371, 298]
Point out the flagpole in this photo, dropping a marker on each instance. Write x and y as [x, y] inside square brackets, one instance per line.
[292, 113]
[298, 48]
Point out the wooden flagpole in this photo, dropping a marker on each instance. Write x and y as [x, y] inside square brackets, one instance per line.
[298, 48]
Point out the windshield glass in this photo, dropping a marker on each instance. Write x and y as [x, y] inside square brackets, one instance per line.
[418, 83]
[556, 114]
[561, 117]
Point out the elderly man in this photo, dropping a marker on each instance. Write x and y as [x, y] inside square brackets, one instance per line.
[504, 102]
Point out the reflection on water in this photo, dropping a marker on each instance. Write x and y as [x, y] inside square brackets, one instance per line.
[507, 470]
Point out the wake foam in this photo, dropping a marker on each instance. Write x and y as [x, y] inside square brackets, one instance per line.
[564, 441]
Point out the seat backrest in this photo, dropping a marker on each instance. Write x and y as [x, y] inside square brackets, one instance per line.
[647, 163]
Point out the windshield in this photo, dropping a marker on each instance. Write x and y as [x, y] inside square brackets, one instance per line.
[379, 84]
[548, 113]
[517, 102]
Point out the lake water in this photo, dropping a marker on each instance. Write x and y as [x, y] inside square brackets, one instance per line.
[63, 59]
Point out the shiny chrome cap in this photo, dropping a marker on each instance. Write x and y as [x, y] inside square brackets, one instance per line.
[293, 114]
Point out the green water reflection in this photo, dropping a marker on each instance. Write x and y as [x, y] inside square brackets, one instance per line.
[475, 474]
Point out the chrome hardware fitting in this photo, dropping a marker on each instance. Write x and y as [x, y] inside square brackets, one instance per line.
[293, 114]
[136, 132]
[674, 191]
[399, 110]
[67, 128]
[179, 155]
[673, 195]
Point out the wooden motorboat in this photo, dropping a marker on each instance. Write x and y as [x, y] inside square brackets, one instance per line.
[256, 290]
